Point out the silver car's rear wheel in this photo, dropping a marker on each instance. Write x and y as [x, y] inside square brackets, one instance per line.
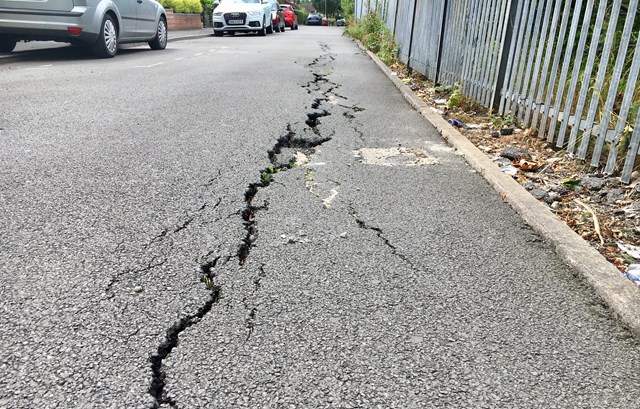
[107, 44]
[160, 41]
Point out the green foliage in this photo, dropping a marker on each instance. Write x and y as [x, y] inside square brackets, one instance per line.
[375, 35]
[183, 6]
[266, 178]
[332, 6]
[207, 6]
[302, 15]
[347, 7]
[167, 4]
[456, 97]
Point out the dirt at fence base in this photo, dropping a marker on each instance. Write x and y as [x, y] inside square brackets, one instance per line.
[600, 208]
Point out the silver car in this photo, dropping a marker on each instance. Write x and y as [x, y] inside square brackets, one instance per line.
[101, 24]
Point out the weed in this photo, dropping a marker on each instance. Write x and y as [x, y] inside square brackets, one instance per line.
[266, 178]
[375, 35]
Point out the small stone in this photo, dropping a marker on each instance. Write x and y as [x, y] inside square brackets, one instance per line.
[615, 195]
[538, 193]
[343, 235]
[528, 185]
[495, 134]
[514, 153]
[555, 196]
[506, 131]
[593, 183]
[138, 289]
[635, 175]
[555, 205]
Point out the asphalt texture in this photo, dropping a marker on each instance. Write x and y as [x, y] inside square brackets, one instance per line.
[195, 228]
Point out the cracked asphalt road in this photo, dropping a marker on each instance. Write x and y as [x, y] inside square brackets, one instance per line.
[179, 229]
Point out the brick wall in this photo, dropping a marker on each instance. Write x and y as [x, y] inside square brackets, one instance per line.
[178, 21]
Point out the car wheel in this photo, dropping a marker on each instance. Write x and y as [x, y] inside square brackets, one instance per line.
[271, 28]
[160, 41]
[218, 33]
[107, 44]
[6, 46]
[231, 33]
[263, 31]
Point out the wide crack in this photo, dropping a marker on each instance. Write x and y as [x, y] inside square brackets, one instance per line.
[156, 389]
[279, 162]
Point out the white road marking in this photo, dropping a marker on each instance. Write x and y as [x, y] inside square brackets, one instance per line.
[195, 55]
[149, 66]
[178, 59]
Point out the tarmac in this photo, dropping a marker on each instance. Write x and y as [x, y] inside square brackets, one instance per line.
[615, 291]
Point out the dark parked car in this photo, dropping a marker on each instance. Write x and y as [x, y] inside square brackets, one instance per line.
[314, 20]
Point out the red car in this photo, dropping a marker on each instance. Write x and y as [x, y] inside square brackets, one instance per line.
[325, 21]
[290, 17]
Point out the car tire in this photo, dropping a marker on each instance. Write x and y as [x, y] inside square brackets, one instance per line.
[6, 46]
[218, 33]
[263, 31]
[160, 41]
[107, 44]
[272, 29]
[231, 33]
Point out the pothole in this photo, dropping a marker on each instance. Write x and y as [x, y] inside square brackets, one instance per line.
[399, 156]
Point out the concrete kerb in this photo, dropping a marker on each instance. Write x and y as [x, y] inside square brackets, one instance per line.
[615, 291]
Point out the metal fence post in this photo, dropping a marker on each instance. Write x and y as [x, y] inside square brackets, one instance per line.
[441, 41]
[504, 54]
[413, 25]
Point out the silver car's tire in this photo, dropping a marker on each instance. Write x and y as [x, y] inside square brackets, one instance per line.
[6, 46]
[218, 33]
[107, 44]
[160, 41]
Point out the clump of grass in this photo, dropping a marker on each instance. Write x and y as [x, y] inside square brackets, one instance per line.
[375, 35]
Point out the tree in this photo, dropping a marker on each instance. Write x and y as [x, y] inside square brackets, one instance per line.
[333, 6]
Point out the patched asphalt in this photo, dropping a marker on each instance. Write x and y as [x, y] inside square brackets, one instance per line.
[361, 285]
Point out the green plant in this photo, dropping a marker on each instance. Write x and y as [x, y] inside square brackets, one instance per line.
[375, 35]
[456, 97]
[266, 178]
[302, 15]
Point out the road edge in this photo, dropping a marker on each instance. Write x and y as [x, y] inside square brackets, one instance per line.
[615, 291]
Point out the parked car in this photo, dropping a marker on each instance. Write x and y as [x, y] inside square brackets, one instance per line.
[290, 16]
[277, 17]
[101, 24]
[244, 16]
[341, 22]
[325, 21]
[314, 20]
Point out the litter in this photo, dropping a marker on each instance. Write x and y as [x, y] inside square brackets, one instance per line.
[440, 101]
[633, 251]
[633, 274]
[457, 123]
[509, 170]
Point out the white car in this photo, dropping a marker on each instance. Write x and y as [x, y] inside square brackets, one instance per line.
[232, 16]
